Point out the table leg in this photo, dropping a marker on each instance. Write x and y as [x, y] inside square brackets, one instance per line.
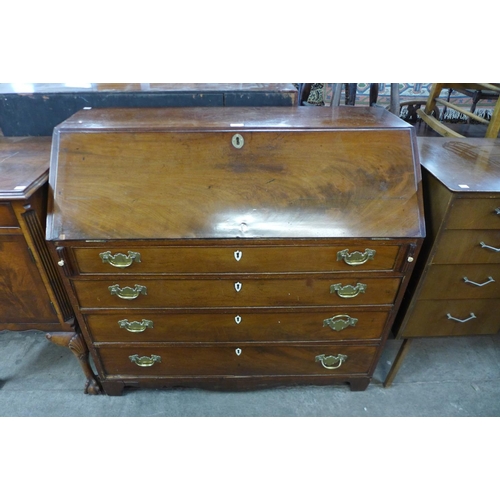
[403, 351]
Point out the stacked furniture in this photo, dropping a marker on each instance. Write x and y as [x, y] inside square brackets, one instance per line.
[35, 109]
[234, 247]
[456, 289]
[476, 91]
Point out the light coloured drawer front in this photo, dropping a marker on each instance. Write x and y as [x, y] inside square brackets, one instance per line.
[328, 324]
[181, 360]
[237, 259]
[474, 213]
[468, 247]
[241, 292]
[441, 318]
[7, 216]
[462, 281]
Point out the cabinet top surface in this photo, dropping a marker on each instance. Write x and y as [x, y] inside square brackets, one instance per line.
[463, 165]
[276, 173]
[229, 118]
[24, 165]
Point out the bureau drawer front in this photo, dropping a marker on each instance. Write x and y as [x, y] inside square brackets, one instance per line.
[243, 360]
[237, 259]
[474, 213]
[430, 318]
[224, 292]
[462, 281]
[7, 216]
[460, 246]
[329, 324]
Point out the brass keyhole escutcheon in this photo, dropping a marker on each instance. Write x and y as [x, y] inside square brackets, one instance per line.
[238, 141]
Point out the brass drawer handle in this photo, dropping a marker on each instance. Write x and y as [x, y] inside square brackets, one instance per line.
[340, 322]
[145, 361]
[356, 258]
[331, 362]
[348, 291]
[120, 259]
[135, 326]
[472, 316]
[490, 280]
[484, 245]
[128, 293]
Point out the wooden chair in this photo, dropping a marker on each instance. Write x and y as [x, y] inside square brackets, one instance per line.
[476, 91]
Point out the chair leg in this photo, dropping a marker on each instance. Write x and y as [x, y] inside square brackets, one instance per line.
[373, 93]
[395, 105]
[494, 126]
[436, 89]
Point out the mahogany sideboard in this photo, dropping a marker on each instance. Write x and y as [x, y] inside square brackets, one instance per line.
[455, 289]
[234, 247]
[32, 295]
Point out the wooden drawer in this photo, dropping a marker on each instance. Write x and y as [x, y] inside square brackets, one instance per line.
[475, 213]
[235, 259]
[430, 318]
[464, 246]
[460, 281]
[272, 292]
[244, 360]
[7, 216]
[284, 325]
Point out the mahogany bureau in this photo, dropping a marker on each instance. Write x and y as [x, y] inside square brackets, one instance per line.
[234, 247]
[455, 289]
[32, 296]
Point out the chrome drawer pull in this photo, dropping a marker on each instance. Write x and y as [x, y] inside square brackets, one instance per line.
[135, 326]
[329, 362]
[145, 361]
[348, 291]
[472, 316]
[484, 245]
[120, 259]
[497, 211]
[340, 322]
[128, 293]
[490, 280]
[356, 258]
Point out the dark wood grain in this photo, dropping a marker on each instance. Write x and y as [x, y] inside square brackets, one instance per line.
[211, 359]
[255, 291]
[279, 185]
[235, 248]
[24, 165]
[271, 325]
[271, 257]
[31, 292]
